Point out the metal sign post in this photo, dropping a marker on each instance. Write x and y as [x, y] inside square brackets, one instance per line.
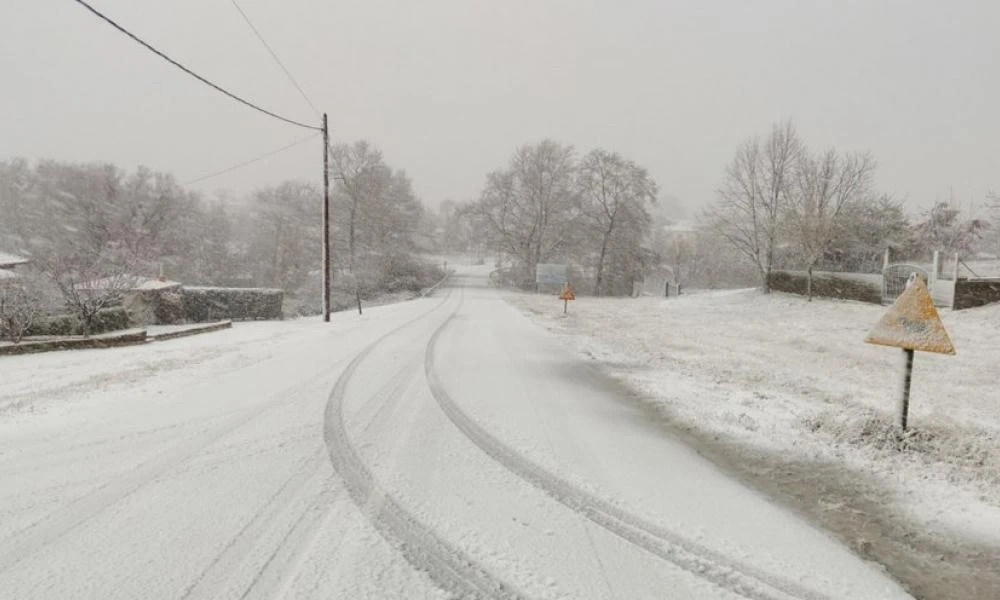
[904, 400]
[912, 323]
[567, 295]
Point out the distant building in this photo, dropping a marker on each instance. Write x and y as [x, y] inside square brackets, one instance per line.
[148, 301]
[9, 264]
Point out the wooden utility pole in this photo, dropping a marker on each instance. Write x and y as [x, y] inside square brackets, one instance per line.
[326, 221]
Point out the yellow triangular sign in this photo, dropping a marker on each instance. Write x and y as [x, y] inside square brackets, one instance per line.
[912, 323]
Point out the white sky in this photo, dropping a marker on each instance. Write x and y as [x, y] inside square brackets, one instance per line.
[449, 88]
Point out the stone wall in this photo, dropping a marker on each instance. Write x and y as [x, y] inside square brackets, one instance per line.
[970, 293]
[827, 286]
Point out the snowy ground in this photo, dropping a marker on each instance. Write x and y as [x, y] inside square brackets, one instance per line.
[787, 394]
[444, 447]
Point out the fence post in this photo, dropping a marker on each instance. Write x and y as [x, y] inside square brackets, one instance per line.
[936, 269]
[885, 259]
[956, 267]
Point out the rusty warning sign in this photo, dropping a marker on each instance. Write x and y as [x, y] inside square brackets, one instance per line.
[567, 293]
[912, 323]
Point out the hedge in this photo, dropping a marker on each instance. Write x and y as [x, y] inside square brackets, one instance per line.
[203, 304]
[109, 319]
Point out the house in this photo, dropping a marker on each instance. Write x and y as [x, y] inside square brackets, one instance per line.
[148, 301]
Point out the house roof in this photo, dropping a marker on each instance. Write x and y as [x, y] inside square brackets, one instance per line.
[128, 283]
[11, 260]
[681, 227]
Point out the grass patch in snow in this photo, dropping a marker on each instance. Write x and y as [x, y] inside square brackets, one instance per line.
[970, 455]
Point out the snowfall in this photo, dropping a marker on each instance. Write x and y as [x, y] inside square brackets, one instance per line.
[450, 446]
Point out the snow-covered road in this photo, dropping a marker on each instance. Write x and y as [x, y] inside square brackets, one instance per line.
[444, 447]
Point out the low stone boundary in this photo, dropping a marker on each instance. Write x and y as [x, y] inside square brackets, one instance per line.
[827, 286]
[129, 338]
[193, 330]
[970, 293]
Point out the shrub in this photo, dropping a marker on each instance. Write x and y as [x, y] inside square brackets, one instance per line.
[169, 308]
[239, 304]
[405, 273]
[19, 308]
[108, 319]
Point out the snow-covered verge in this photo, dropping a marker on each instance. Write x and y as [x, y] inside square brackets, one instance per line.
[786, 394]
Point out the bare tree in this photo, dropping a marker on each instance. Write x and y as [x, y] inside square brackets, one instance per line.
[530, 206]
[362, 180]
[943, 227]
[20, 307]
[615, 195]
[285, 234]
[377, 212]
[753, 194]
[89, 284]
[826, 185]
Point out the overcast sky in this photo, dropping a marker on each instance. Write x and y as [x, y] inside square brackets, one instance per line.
[449, 88]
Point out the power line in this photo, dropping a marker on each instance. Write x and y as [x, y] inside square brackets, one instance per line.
[275, 57]
[252, 160]
[189, 71]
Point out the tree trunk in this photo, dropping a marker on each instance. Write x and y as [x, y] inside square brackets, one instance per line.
[765, 278]
[767, 268]
[600, 266]
[809, 283]
[88, 324]
[353, 254]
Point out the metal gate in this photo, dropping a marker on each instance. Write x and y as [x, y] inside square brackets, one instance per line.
[894, 278]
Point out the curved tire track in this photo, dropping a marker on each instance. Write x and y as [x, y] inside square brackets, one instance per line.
[445, 564]
[29, 540]
[705, 563]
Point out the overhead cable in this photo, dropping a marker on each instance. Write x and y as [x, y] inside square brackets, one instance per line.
[251, 161]
[189, 71]
[274, 55]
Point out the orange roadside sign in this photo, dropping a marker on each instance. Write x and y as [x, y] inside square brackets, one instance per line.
[912, 323]
[567, 293]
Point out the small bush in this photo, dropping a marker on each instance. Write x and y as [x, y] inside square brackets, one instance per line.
[110, 319]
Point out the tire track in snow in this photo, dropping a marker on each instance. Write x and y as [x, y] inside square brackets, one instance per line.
[282, 566]
[218, 573]
[705, 563]
[446, 565]
[29, 540]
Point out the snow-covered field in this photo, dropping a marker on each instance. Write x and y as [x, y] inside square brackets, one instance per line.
[788, 395]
